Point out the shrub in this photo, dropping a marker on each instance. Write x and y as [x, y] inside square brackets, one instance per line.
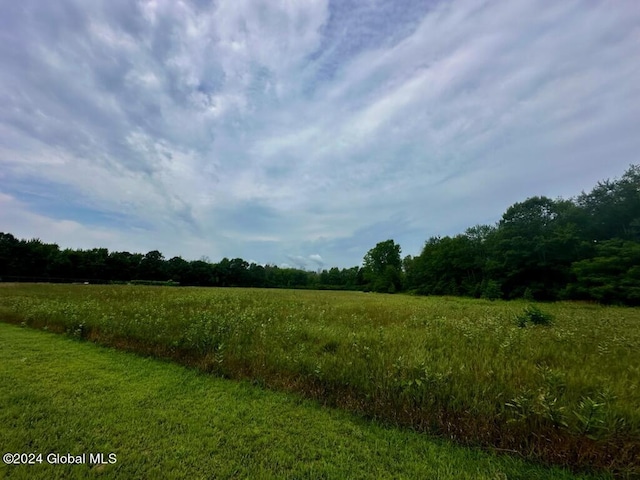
[534, 315]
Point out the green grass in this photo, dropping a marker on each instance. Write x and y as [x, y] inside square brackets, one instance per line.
[567, 392]
[166, 421]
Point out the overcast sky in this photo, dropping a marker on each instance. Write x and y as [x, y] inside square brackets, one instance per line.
[304, 132]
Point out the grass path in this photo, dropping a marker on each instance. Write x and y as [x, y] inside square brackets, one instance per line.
[165, 421]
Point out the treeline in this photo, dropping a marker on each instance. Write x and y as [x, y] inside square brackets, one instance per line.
[33, 260]
[585, 248]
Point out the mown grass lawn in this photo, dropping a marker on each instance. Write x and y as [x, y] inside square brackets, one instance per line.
[163, 420]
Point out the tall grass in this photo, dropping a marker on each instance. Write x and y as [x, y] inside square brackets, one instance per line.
[566, 392]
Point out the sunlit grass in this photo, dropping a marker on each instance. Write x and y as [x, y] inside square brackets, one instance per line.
[461, 368]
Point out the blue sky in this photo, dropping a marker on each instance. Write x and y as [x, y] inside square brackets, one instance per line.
[303, 133]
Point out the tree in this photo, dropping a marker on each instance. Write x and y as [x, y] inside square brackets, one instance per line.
[612, 208]
[534, 247]
[9, 259]
[238, 272]
[123, 265]
[199, 273]
[152, 266]
[256, 275]
[96, 263]
[449, 266]
[178, 269]
[383, 267]
[612, 275]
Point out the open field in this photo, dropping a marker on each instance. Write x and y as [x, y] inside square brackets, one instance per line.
[165, 421]
[566, 393]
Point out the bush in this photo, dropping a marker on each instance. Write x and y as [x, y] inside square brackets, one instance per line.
[534, 315]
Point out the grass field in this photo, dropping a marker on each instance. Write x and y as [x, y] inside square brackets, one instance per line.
[464, 369]
[162, 420]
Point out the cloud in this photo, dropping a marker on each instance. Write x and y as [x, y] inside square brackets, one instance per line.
[310, 262]
[68, 233]
[317, 259]
[256, 129]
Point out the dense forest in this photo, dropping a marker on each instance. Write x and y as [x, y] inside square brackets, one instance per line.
[585, 248]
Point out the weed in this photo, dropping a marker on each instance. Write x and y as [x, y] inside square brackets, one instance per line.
[533, 315]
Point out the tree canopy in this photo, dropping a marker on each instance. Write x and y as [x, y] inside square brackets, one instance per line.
[383, 267]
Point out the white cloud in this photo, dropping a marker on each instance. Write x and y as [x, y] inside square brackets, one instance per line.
[259, 128]
[69, 233]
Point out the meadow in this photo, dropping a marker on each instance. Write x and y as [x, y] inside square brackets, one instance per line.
[474, 371]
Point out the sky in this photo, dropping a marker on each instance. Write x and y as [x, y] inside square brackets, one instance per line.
[302, 133]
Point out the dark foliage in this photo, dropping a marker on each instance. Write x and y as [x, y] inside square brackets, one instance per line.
[35, 261]
[586, 248]
[533, 315]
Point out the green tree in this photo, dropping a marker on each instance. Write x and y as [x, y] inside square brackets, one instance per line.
[178, 270]
[612, 275]
[238, 272]
[448, 266]
[535, 244]
[200, 273]
[123, 265]
[612, 208]
[9, 258]
[152, 267]
[256, 275]
[383, 267]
